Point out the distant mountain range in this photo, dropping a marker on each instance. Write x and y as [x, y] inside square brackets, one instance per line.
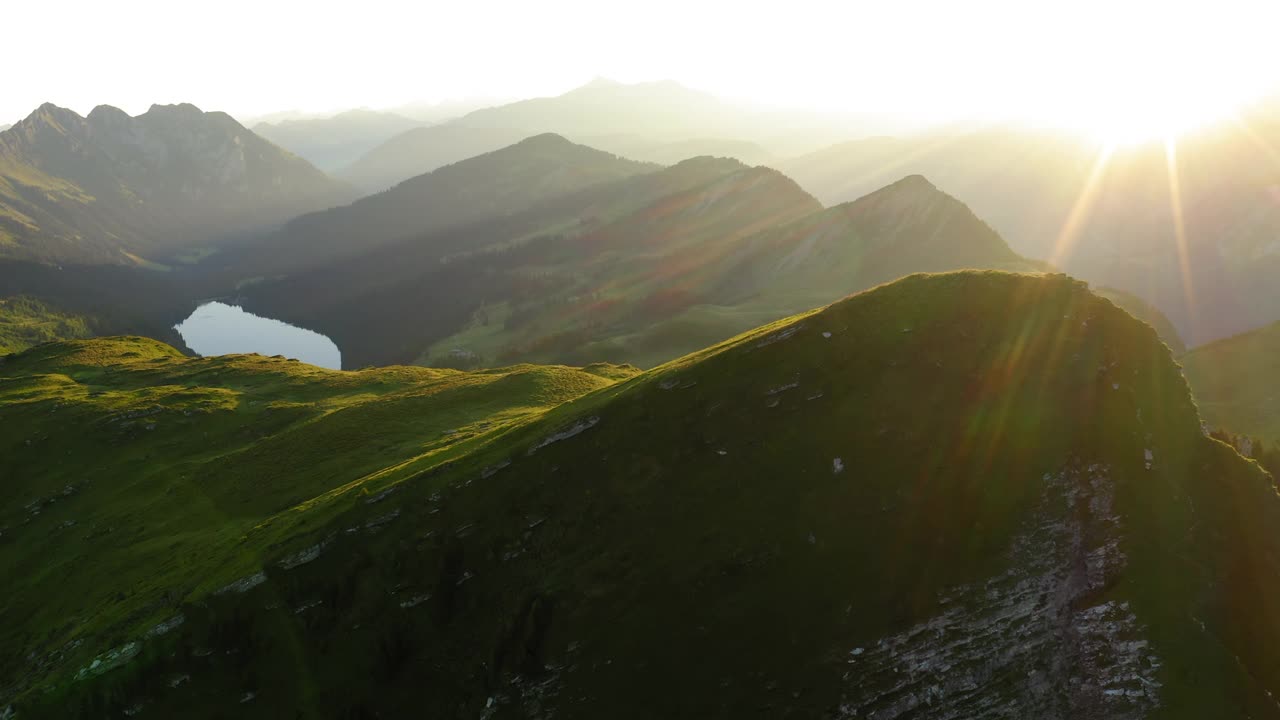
[422, 150]
[660, 122]
[110, 188]
[644, 266]
[1236, 382]
[334, 142]
[670, 152]
[1208, 262]
[483, 187]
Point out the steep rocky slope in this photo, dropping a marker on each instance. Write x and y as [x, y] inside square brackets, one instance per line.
[955, 496]
[111, 188]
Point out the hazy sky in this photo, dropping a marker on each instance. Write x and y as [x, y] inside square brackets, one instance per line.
[1074, 62]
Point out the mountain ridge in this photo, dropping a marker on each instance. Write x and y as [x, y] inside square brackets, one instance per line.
[497, 183]
[111, 188]
[1057, 520]
[334, 142]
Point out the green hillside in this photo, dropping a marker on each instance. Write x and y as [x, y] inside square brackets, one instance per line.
[141, 474]
[26, 321]
[947, 496]
[1236, 381]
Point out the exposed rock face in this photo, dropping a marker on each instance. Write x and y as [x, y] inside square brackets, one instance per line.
[1036, 641]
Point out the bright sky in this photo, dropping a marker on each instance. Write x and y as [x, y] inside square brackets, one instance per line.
[1076, 63]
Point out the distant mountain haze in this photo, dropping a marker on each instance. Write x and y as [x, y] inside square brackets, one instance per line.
[422, 150]
[672, 151]
[1107, 218]
[334, 142]
[658, 122]
[445, 110]
[645, 268]
[110, 188]
[1235, 381]
[909, 226]
[667, 108]
[361, 300]
[493, 184]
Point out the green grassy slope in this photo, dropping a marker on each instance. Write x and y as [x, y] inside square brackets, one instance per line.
[133, 475]
[947, 496]
[1237, 382]
[27, 321]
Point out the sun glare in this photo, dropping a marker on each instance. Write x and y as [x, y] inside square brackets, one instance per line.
[1131, 123]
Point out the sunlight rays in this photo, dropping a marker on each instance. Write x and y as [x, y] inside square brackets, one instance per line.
[1086, 201]
[1267, 148]
[1083, 207]
[1180, 228]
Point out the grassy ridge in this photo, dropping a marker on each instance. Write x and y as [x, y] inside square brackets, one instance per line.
[685, 543]
[139, 473]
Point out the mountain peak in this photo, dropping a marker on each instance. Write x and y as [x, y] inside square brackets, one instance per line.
[108, 113]
[600, 81]
[911, 190]
[913, 182]
[122, 187]
[545, 140]
[182, 109]
[48, 111]
[702, 162]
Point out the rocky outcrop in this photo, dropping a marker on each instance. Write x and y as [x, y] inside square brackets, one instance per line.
[1038, 640]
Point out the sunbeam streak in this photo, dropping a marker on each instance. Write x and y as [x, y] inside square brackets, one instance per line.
[1083, 206]
[1180, 228]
